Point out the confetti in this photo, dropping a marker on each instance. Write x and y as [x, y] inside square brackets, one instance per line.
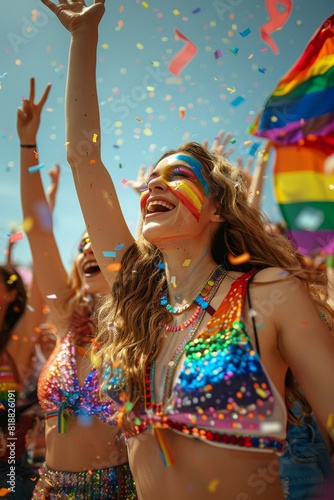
[95, 137]
[139, 119]
[196, 11]
[182, 112]
[262, 70]
[15, 237]
[109, 254]
[183, 57]
[186, 262]
[252, 313]
[161, 265]
[239, 259]
[262, 393]
[119, 247]
[218, 53]
[51, 296]
[35, 168]
[234, 50]
[116, 266]
[213, 485]
[4, 492]
[254, 148]
[244, 33]
[238, 100]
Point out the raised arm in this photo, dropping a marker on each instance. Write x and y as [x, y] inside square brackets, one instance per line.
[256, 180]
[48, 267]
[54, 174]
[27, 331]
[97, 195]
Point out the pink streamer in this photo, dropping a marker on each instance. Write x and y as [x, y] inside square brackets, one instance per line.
[276, 21]
[182, 58]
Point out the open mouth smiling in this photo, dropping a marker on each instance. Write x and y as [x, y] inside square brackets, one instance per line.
[90, 268]
[158, 206]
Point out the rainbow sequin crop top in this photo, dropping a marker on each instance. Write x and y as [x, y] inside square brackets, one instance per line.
[60, 393]
[222, 393]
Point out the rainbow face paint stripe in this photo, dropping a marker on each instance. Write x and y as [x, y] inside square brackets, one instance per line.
[186, 182]
[197, 167]
[143, 199]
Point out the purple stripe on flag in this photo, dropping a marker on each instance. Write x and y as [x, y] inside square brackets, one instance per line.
[308, 241]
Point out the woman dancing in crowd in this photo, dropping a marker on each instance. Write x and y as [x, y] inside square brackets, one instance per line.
[85, 457]
[201, 377]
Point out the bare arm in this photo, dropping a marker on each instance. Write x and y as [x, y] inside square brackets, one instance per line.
[255, 181]
[304, 340]
[48, 267]
[97, 195]
[27, 332]
[54, 174]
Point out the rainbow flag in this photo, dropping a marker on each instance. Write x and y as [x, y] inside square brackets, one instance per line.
[298, 119]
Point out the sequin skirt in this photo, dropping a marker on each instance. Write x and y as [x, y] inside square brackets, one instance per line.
[114, 483]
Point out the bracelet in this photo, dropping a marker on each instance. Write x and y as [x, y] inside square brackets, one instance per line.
[28, 146]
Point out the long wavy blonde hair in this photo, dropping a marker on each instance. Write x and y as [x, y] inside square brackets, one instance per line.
[129, 319]
[74, 295]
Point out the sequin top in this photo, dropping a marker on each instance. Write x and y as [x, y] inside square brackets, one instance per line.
[59, 390]
[222, 393]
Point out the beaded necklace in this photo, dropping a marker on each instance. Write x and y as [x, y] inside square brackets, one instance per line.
[202, 300]
[172, 365]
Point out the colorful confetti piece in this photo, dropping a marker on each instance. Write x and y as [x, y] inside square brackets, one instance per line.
[244, 33]
[109, 254]
[235, 260]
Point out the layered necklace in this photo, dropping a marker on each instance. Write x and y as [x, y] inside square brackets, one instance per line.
[202, 300]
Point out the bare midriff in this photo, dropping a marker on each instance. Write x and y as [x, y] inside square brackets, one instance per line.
[84, 447]
[202, 471]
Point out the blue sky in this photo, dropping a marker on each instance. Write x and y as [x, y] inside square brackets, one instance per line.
[139, 98]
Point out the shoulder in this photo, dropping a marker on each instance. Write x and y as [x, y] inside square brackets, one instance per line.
[272, 275]
[281, 292]
[277, 277]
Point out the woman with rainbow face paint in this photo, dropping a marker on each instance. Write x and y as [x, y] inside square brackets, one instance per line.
[207, 311]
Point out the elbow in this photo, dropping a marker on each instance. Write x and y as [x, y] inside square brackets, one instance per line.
[84, 152]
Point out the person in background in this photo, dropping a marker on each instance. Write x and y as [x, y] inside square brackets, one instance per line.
[202, 382]
[19, 319]
[85, 457]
